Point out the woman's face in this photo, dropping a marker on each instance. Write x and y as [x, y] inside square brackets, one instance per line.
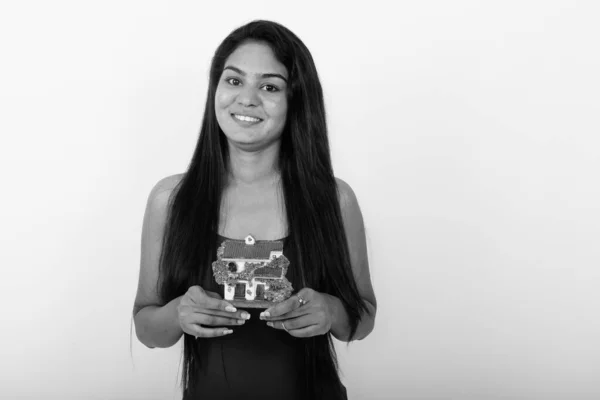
[251, 97]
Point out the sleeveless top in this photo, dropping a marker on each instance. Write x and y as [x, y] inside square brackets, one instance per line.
[255, 361]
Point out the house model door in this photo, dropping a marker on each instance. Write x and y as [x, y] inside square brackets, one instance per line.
[240, 291]
[260, 291]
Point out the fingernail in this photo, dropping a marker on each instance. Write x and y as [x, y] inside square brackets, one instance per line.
[240, 321]
[227, 331]
[265, 314]
[245, 315]
[231, 308]
[269, 324]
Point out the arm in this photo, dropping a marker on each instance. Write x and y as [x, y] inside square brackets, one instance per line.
[156, 324]
[310, 313]
[357, 245]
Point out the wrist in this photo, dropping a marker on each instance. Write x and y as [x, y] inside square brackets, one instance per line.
[174, 306]
[337, 315]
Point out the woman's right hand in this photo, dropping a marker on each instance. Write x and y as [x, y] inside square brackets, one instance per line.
[205, 314]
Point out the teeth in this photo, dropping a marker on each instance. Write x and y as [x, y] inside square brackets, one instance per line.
[245, 118]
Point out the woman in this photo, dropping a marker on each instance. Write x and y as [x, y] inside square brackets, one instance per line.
[262, 166]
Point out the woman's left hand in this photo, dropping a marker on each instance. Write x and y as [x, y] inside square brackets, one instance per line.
[305, 314]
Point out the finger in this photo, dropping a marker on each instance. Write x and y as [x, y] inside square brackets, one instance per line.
[298, 312]
[214, 317]
[203, 332]
[214, 295]
[281, 308]
[296, 301]
[239, 314]
[217, 304]
[294, 323]
[209, 299]
[304, 296]
[202, 309]
[211, 320]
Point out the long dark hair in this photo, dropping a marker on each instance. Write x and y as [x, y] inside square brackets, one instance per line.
[311, 201]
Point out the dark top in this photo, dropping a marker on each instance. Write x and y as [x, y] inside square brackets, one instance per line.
[255, 361]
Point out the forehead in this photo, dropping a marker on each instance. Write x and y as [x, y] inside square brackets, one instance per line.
[256, 58]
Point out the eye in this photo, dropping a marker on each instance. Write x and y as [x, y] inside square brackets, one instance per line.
[270, 88]
[233, 81]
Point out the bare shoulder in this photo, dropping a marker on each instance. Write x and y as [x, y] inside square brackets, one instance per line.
[348, 201]
[161, 192]
[166, 185]
[157, 204]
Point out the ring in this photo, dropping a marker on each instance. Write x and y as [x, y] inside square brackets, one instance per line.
[283, 324]
[301, 301]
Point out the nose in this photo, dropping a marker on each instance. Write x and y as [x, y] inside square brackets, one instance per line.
[248, 97]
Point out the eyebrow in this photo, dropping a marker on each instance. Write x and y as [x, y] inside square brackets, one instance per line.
[268, 75]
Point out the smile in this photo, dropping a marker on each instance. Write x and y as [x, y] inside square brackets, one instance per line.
[246, 118]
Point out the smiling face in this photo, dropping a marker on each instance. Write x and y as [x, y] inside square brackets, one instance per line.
[251, 97]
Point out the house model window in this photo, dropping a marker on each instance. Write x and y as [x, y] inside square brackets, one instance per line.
[252, 272]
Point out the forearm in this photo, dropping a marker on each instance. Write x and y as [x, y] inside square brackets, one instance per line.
[158, 326]
[340, 327]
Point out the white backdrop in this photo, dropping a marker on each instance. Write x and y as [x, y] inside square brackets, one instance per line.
[469, 131]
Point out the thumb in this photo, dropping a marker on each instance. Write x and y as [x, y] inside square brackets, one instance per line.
[213, 295]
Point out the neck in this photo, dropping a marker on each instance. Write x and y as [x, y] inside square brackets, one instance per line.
[253, 167]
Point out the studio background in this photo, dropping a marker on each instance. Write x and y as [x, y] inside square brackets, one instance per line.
[469, 131]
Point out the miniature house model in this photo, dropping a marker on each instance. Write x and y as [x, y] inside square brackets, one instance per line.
[252, 272]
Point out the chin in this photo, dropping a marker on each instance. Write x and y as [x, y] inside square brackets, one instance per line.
[241, 136]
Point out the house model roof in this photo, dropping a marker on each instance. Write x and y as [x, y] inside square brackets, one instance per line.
[269, 272]
[258, 251]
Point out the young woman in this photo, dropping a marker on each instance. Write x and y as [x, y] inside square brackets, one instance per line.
[261, 166]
